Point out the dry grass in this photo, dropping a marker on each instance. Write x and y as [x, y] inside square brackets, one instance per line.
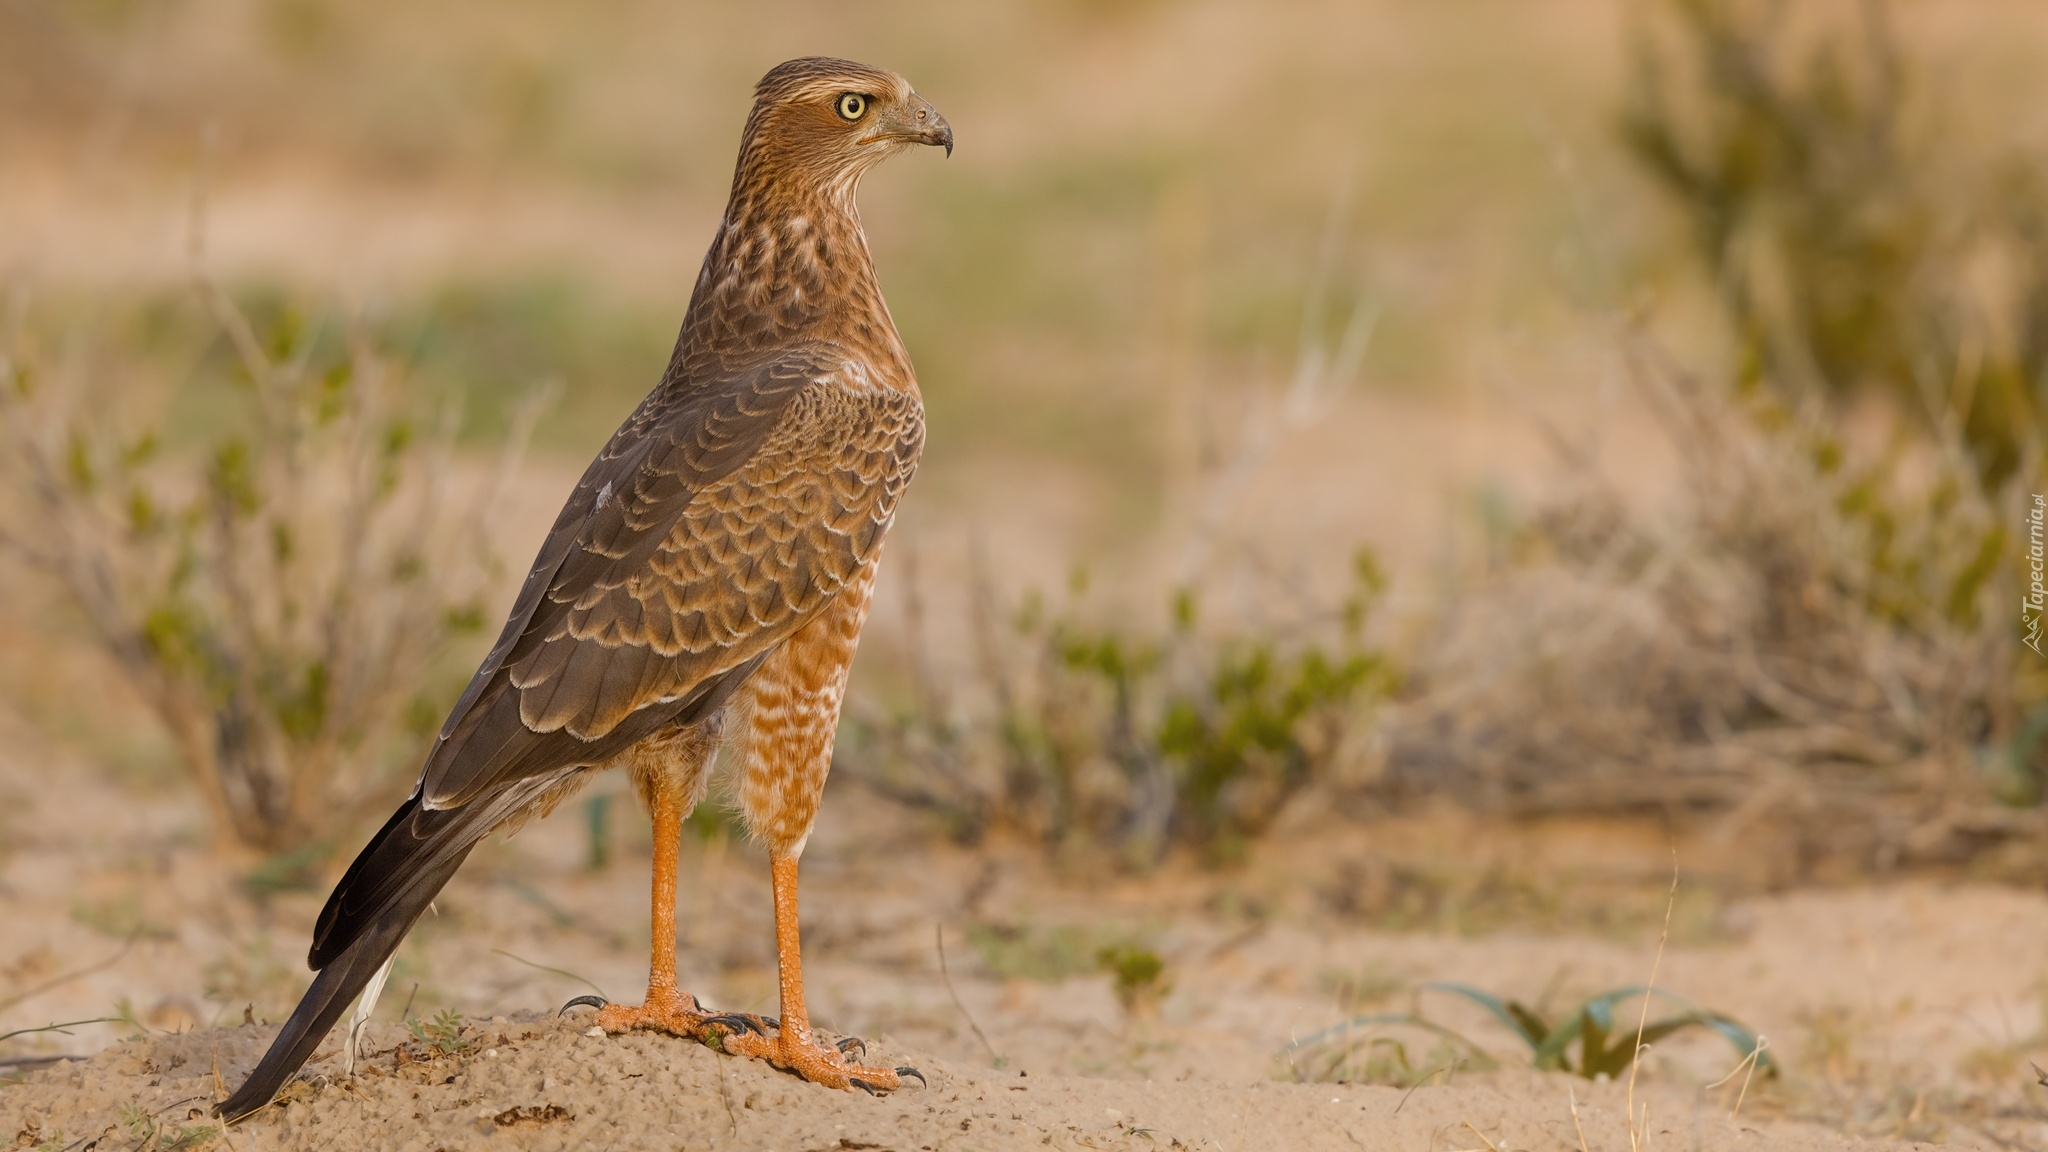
[1743, 656]
[278, 593]
[1812, 647]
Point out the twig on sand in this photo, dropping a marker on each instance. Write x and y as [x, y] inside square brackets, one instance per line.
[1573, 1097]
[1643, 1021]
[1452, 1067]
[68, 1024]
[1491, 1146]
[939, 932]
[1748, 1069]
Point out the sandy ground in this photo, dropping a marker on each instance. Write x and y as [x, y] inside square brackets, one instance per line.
[543, 1083]
[1903, 1012]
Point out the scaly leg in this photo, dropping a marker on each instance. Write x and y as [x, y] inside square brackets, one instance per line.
[666, 1008]
[793, 1047]
[669, 774]
[792, 716]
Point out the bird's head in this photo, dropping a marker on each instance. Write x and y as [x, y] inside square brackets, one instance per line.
[827, 121]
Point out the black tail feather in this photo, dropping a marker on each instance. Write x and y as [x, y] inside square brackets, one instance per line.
[406, 864]
[334, 989]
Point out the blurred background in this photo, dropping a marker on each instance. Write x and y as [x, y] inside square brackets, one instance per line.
[1398, 472]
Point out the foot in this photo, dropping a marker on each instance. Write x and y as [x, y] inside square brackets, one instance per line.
[676, 1013]
[819, 1063]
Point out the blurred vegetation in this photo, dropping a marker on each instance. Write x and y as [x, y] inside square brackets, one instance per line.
[1036, 952]
[1096, 737]
[1854, 249]
[1822, 622]
[1137, 976]
[1087, 241]
[1819, 627]
[280, 587]
[1466, 898]
[1865, 255]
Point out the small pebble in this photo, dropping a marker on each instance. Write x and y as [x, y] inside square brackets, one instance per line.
[595, 1032]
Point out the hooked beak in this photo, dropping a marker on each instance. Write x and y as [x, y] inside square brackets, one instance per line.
[940, 133]
[917, 122]
[932, 127]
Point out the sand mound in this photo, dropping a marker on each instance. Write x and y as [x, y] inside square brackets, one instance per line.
[541, 1083]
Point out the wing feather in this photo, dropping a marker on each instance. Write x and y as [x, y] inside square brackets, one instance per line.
[710, 529]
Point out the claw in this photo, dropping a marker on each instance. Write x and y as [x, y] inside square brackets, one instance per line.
[847, 1046]
[907, 1070]
[591, 1001]
[863, 1086]
[738, 1023]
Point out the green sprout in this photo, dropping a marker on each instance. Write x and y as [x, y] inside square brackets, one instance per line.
[1138, 972]
[443, 1033]
[1602, 1050]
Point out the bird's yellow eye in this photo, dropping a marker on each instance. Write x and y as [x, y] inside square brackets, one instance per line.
[853, 106]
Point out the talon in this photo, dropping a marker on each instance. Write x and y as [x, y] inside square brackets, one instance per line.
[863, 1086]
[907, 1070]
[847, 1046]
[738, 1023]
[591, 1001]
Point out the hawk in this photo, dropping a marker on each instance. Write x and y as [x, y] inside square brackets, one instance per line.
[717, 559]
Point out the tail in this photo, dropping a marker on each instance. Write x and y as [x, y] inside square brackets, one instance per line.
[424, 848]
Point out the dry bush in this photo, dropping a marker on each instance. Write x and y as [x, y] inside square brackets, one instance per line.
[1818, 640]
[1856, 241]
[278, 593]
[1800, 641]
[1094, 737]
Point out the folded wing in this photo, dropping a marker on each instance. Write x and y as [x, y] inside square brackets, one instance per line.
[716, 522]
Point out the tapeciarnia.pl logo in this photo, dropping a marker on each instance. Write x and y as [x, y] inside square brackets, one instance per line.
[2036, 602]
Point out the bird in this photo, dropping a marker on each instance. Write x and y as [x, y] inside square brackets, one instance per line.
[705, 582]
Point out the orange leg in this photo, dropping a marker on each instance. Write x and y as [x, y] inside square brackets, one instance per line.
[793, 715]
[793, 1046]
[666, 1008]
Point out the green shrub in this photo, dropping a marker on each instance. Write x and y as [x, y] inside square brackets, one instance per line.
[279, 584]
[1094, 736]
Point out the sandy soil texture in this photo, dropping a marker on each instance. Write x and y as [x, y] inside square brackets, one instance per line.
[542, 1083]
[1903, 1012]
